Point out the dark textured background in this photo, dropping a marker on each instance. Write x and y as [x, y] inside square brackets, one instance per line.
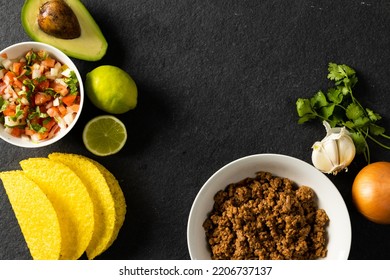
[217, 80]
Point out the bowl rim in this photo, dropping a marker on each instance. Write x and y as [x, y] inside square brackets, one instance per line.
[55, 52]
[343, 214]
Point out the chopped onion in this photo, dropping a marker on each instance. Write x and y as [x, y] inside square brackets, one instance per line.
[61, 122]
[66, 72]
[54, 72]
[7, 63]
[36, 66]
[6, 95]
[35, 137]
[56, 102]
[68, 118]
[36, 73]
[24, 101]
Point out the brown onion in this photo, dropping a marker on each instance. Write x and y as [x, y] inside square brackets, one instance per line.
[371, 192]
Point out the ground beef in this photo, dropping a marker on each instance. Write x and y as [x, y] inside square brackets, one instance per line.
[266, 218]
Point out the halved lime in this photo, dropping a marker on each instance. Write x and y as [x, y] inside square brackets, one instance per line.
[104, 135]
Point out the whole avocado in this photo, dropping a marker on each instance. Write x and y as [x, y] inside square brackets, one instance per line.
[66, 25]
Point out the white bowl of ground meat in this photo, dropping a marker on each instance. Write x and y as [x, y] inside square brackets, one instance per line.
[270, 207]
[41, 94]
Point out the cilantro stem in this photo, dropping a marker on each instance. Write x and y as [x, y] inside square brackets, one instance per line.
[379, 143]
[367, 155]
[342, 107]
[366, 151]
[385, 136]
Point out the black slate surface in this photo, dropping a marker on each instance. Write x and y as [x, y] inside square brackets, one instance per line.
[217, 80]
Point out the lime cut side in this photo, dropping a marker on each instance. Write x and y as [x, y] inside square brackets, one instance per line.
[104, 135]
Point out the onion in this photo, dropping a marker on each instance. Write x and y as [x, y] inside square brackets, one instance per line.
[371, 192]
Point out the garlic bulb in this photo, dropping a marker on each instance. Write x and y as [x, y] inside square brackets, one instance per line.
[335, 152]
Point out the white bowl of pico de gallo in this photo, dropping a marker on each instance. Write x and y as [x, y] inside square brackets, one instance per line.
[41, 94]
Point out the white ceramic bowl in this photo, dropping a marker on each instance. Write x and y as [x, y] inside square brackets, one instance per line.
[20, 49]
[302, 173]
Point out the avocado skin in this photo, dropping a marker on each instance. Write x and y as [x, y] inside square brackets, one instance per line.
[91, 45]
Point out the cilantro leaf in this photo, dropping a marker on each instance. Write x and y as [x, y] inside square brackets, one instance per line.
[318, 100]
[334, 72]
[354, 111]
[338, 72]
[361, 122]
[72, 83]
[372, 115]
[327, 111]
[376, 129]
[37, 127]
[335, 95]
[304, 107]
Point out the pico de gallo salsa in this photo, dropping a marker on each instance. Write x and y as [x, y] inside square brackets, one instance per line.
[39, 95]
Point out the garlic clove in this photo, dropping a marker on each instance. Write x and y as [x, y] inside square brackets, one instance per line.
[320, 158]
[331, 150]
[335, 152]
[348, 150]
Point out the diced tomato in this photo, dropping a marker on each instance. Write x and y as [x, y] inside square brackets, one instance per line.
[60, 88]
[62, 110]
[43, 85]
[29, 131]
[3, 86]
[17, 83]
[48, 124]
[16, 68]
[41, 98]
[69, 99]
[53, 131]
[42, 109]
[25, 111]
[74, 108]
[17, 132]
[44, 135]
[9, 78]
[10, 110]
[49, 62]
[53, 112]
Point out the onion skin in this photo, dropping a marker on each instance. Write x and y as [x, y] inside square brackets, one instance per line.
[371, 192]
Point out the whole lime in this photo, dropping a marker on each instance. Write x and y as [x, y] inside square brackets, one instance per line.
[111, 89]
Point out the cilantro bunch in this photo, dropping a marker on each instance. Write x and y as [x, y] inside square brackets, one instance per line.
[339, 107]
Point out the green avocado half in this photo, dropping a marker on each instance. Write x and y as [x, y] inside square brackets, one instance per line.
[90, 45]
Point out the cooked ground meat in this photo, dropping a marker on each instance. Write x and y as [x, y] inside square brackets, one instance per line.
[267, 218]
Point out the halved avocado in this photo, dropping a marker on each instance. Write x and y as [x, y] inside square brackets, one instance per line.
[89, 45]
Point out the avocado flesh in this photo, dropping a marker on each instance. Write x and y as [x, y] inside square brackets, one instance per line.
[91, 45]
